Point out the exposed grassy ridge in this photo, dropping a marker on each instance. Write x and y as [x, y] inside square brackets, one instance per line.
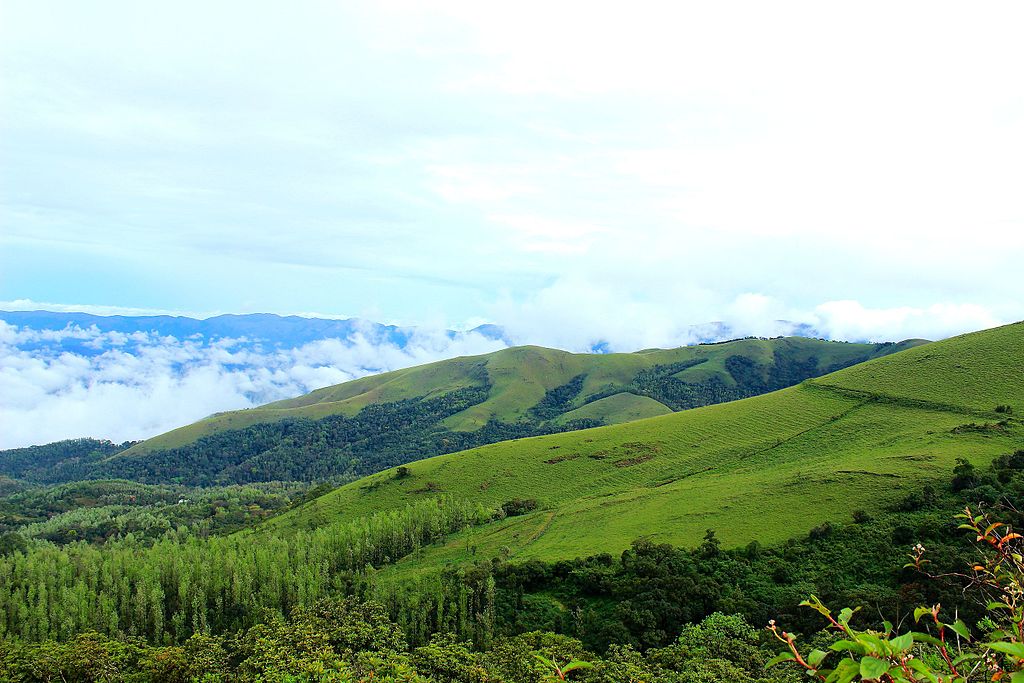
[762, 468]
[519, 378]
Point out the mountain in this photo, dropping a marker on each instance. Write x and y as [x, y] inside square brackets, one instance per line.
[766, 468]
[266, 329]
[380, 421]
[291, 331]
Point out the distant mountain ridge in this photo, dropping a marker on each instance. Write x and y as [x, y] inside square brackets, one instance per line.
[291, 331]
[268, 328]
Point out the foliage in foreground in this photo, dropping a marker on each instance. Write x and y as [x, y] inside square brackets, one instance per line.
[940, 649]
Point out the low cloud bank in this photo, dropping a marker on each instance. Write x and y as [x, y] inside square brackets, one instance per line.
[581, 315]
[133, 386]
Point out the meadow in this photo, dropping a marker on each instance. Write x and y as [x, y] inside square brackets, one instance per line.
[763, 468]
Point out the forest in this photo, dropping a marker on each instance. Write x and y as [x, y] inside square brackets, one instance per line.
[247, 606]
[100, 510]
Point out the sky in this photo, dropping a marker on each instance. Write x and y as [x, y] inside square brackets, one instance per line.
[572, 171]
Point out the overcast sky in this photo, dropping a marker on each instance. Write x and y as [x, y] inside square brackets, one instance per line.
[571, 170]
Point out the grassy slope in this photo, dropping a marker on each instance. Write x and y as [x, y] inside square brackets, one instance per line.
[763, 468]
[520, 377]
[624, 407]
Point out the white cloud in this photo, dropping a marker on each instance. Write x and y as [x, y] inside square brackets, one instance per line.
[47, 393]
[578, 172]
[852, 320]
[577, 314]
[743, 148]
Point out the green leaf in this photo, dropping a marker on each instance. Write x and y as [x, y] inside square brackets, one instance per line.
[997, 605]
[922, 668]
[872, 668]
[873, 642]
[845, 671]
[850, 645]
[816, 658]
[572, 666]
[886, 627]
[1017, 677]
[903, 643]
[961, 629]
[920, 612]
[1012, 649]
[781, 657]
[925, 638]
[845, 615]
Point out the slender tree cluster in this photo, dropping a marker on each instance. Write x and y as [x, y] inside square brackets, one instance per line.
[184, 585]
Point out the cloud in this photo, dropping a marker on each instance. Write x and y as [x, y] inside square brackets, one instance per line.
[434, 156]
[144, 384]
[580, 314]
[852, 320]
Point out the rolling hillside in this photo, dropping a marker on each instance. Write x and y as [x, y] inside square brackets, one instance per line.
[763, 468]
[517, 379]
[373, 423]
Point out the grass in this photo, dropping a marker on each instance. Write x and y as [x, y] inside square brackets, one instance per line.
[624, 407]
[519, 378]
[765, 468]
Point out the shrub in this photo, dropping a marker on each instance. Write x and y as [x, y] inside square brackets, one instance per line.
[518, 506]
[861, 517]
[821, 531]
[942, 650]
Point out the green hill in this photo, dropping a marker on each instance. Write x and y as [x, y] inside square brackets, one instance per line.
[376, 422]
[517, 379]
[763, 468]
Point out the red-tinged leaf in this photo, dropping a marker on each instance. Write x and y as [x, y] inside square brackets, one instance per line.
[992, 527]
[1009, 537]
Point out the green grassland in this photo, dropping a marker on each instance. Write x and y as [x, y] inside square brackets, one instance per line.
[765, 468]
[624, 407]
[518, 378]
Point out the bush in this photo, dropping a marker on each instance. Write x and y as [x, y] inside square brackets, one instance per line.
[821, 531]
[941, 650]
[518, 506]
